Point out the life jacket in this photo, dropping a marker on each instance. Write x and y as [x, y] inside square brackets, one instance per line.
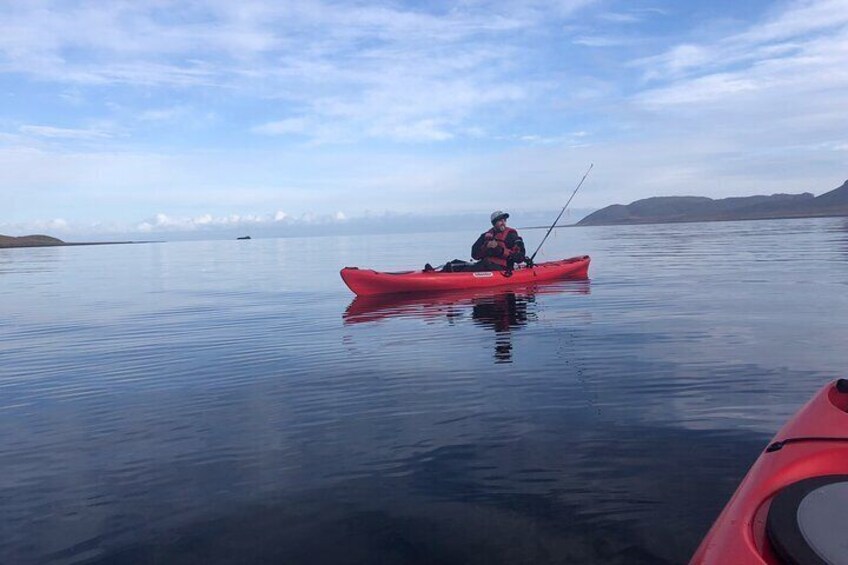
[500, 237]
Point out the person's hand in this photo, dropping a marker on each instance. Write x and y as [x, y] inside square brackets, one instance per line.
[492, 244]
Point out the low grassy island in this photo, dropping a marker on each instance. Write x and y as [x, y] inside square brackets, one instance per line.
[7, 241]
[30, 241]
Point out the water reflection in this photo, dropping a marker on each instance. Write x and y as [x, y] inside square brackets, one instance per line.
[502, 311]
[842, 229]
[28, 260]
[193, 403]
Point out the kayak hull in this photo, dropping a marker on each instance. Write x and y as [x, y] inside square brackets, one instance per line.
[813, 444]
[366, 282]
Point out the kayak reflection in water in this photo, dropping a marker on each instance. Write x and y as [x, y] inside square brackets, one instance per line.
[498, 249]
[502, 313]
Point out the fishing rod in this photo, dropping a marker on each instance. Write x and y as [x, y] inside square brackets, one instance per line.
[550, 229]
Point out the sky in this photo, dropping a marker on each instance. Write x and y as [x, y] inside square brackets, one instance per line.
[160, 116]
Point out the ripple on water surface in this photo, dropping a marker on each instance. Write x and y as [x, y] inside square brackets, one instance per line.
[222, 401]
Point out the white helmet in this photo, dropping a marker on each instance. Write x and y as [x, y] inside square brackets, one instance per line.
[498, 215]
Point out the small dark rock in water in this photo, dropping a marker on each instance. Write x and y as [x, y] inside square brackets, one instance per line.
[245, 237]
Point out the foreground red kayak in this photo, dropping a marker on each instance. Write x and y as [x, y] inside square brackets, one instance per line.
[792, 507]
[365, 282]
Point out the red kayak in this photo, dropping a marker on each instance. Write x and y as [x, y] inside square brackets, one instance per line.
[365, 282]
[792, 507]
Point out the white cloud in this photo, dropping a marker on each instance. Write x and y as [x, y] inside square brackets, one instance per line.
[602, 41]
[376, 69]
[162, 114]
[282, 127]
[800, 18]
[421, 130]
[719, 86]
[619, 18]
[770, 94]
[679, 58]
[63, 133]
[254, 106]
[207, 222]
[129, 39]
[803, 30]
[54, 226]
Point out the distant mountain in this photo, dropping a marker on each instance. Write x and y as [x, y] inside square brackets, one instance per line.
[29, 241]
[667, 209]
[836, 197]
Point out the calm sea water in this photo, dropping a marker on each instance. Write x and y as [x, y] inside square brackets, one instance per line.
[226, 401]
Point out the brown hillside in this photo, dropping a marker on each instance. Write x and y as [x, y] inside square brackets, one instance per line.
[29, 241]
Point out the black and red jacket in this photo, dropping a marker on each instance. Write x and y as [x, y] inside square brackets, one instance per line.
[510, 247]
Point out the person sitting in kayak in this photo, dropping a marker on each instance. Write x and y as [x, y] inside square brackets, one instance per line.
[498, 249]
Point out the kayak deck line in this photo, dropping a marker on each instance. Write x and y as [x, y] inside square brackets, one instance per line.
[778, 445]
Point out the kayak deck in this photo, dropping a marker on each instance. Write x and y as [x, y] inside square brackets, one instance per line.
[813, 445]
[367, 282]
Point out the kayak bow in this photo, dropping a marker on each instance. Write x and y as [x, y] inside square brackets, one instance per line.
[792, 507]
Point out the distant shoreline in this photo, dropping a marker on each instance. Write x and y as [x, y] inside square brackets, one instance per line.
[9, 242]
[688, 221]
[705, 220]
[800, 217]
[688, 209]
[30, 241]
